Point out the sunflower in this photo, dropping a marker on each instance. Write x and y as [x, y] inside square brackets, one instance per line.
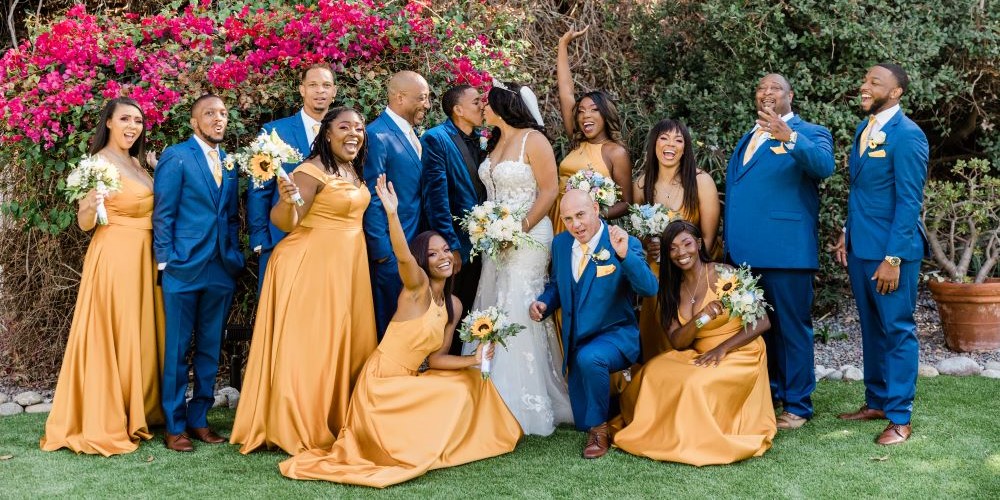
[726, 284]
[482, 327]
[262, 167]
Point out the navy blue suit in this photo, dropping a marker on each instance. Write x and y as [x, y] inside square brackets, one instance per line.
[195, 226]
[390, 153]
[451, 186]
[600, 334]
[883, 219]
[772, 214]
[261, 200]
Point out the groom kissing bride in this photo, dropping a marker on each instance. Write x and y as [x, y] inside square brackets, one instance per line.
[596, 269]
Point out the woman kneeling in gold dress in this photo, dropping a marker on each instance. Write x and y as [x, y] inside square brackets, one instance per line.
[401, 423]
[708, 402]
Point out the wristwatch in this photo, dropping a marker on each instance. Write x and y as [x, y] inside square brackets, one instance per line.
[790, 143]
[893, 261]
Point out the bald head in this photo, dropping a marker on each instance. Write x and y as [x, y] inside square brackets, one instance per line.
[409, 96]
[581, 214]
[774, 92]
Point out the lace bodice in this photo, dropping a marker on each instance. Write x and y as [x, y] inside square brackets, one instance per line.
[510, 181]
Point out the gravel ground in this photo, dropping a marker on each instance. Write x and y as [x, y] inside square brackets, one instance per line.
[844, 347]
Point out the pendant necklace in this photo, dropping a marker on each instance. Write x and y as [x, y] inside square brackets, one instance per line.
[697, 282]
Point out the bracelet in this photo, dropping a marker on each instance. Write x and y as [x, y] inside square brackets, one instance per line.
[702, 321]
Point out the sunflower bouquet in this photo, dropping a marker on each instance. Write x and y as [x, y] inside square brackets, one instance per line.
[487, 327]
[93, 172]
[602, 189]
[262, 160]
[493, 227]
[738, 291]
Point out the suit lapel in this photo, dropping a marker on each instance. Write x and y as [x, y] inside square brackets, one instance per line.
[299, 136]
[470, 163]
[201, 163]
[407, 145]
[738, 168]
[590, 271]
[759, 154]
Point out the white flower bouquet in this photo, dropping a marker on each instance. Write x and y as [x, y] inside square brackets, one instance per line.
[493, 227]
[262, 160]
[487, 327]
[649, 221]
[602, 189]
[738, 291]
[93, 172]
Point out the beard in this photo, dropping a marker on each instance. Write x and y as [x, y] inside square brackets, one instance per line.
[877, 105]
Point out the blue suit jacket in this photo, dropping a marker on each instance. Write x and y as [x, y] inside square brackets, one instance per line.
[601, 306]
[194, 220]
[772, 202]
[887, 192]
[451, 184]
[390, 152]
[260, 201]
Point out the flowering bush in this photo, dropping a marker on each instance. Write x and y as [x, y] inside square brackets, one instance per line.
[248, 52]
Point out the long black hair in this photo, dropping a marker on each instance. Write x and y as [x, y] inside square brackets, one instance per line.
[418, 247]
[103, 133]
[688, 167]
[507, 103]
[609, 113]
[321, 149]
[669, 294]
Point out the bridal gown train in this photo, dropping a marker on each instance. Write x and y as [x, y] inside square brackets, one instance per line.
[527, 374]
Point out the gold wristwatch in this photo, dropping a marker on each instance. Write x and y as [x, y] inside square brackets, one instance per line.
[893, 261]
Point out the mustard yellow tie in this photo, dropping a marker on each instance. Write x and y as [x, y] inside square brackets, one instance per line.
[754, 144]
[864, 135]
[315, 129]
[416, 142]
[583, 261]
[216, 166]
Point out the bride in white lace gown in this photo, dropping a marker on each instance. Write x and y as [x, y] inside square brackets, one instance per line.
[521, 172]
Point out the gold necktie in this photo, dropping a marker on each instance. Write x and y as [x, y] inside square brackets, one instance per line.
[583, 261]
[864, 135]
[315, 129]
[213, 155]
[416, 142]
[754, 144]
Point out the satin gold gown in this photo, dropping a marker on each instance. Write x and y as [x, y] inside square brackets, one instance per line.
[402, 423]
[676, 411]
[107, 396]
[315, 326]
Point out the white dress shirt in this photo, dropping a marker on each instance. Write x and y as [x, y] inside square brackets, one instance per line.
[205, 148]
[309, 122]
[882, 118]
[405, 127]
[578, 251]
[766, 135]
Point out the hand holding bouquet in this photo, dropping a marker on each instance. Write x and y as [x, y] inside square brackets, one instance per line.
[262, 160]
[738, 291]
[602, 189]
[493, 227]
[93, 172]
[487, 327]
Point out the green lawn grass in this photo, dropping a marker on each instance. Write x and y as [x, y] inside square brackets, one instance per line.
[954, 453]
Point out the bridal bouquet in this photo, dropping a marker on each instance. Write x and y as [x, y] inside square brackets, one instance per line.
[649, 220]
[602, 189]
[262, 160]
[738, 291]
[493, 227]
[487, 327]
[96, 173]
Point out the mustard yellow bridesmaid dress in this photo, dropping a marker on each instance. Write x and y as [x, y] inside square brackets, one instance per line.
[402, 423]
[586, 156]
[107, 395]
[315, 326]
[676, 411]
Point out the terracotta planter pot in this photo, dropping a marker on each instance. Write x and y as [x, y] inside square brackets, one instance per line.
[970, 314]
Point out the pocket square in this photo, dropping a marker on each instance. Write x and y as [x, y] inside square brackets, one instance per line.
[877, 154]
[779, 149]
[605, 270]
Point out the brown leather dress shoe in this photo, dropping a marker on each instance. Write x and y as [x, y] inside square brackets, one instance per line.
[863, 413]
[178, 442]
[894, 434]
[598, 442]
[206, 435]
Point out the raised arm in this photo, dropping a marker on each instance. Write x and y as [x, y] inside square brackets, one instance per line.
[565, 78]
[539, 155]
[286, 215]
[413, 277]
